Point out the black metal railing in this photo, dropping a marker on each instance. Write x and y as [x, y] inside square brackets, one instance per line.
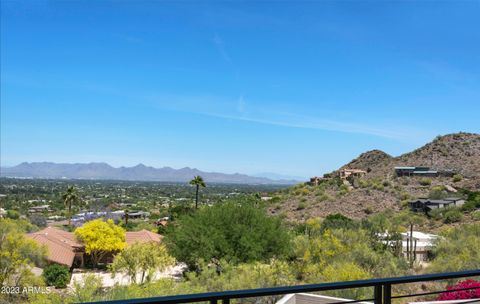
[382, 290]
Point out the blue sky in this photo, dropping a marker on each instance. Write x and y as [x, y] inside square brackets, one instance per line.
[296, 88]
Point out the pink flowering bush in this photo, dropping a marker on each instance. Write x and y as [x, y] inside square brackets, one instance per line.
[464, 294]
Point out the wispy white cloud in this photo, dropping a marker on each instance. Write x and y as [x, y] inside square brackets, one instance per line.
[237, 110]
[220, 45]
[241, 106]
[315, 124]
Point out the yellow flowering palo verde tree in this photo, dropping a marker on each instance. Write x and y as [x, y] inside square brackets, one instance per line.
[101, 238]
[143, 259]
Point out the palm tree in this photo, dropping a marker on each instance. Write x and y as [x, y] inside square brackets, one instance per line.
[198, 182]
[69, 197]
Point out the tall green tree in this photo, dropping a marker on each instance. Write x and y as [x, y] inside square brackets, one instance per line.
[236, 232]
[69, 197]
[198, 182]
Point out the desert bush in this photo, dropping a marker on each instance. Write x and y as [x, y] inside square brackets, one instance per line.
[56, 275]
[363, 183]
[302, 191]
[457, 177]
[404, 196]
[301, 206]
[13, 214]
[88, 290]
[337, 221]
[323, 197]
[436, 214]
[452, 216]
[472, 202]
[275, 199]
[457, 250]
[425, 181]
[343, 190]
[238, 232]
[437, 192]
[476, 215]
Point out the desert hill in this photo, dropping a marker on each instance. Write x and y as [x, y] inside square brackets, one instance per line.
[459, 152]
[380, 189]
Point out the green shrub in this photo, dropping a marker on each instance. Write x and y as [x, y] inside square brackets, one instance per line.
[457, 178]
[404, 196]
[472, 202]
[458, 249]
[56, 275]
[236, 231]
[337, 221]
[425, 181]
[13, 214]
[452, 216]
[301, 206]
[437, 192]
[436, 214]
[343, 190]
[363, 183]
[323, 197]
[476, 215]
[302, 191]
[275, 199]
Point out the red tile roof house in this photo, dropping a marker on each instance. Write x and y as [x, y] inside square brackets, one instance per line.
[64, 248]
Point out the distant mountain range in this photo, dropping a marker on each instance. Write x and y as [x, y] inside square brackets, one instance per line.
[140, 172]
[276, 176]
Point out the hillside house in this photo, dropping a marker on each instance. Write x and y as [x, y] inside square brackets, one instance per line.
[64, 248]
[422, 243]
[415, 171]
[138, 215]
[39, 209]
[81, 218]
[315, 180]
[349, 173]
[426, 205]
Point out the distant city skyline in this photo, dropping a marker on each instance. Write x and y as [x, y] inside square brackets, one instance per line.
[292, 88]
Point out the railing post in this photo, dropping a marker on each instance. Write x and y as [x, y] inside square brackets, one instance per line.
[377, 294]
[213, 301]
[226, 301]
[387, 294]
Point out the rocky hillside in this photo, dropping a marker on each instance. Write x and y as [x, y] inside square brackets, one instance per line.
[459, 152]
[380, 189]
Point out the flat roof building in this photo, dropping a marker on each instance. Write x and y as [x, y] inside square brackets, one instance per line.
[426, 205]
